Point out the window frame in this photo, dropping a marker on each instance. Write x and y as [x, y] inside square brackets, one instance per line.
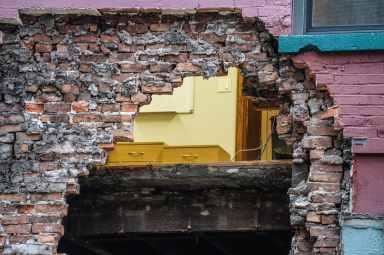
[302, 22]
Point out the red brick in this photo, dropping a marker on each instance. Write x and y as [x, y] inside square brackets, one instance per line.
[109, 38]
[86, 39]
[180, 58]
[324, 231]
[108, 108]
[329, 219]
[85, 67]
[122, 135]
[130, 48]
[14, 219]
[161, 67]
[327, 187]
[34, 107]
[132, 67]
[157, 89]
[47, 228]
[43, 48]
[187, 67]
[54, 118]
[86, 117]
[80, 106]
[330, 177]
[138, 28]
[313, 217]
[128, 107]
[11, 128]
[99, 58]
[93, 47]
[25, 209]
[18, 229]
[47, 197]
[322, 167]
[322, 197]
[51, 209]
[70, 89]
[317, 142]
[322, 131]
[41, 38]
[48, 238]
[13, 197]
[57, 107]
[140, 98]
[159, 27]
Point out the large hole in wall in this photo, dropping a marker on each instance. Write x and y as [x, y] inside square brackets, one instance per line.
[113, 68]
[203, 121]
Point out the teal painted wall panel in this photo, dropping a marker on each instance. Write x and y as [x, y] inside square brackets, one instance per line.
[363, 237]
[332, 42]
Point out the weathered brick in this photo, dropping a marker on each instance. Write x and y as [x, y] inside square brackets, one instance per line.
[130, 48]
[54, 118]
[14, 219]
[129, 107]
[47, 228]
[80, 106]
[317, 142]
[157, 89]
[122, 135]
[18, 229]
[34, 107]
[187, 67]
[126, 67]
[329, 219]
[161, 67]
[86, 117]
[43, 48]
[110, 38]
[313, 217]
[57, 107]
[86, 39]
[319, 176]
[108, 108]
[57, 209]
[159, 27]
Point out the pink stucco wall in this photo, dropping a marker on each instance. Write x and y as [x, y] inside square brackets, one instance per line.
[356, 82]
[275, 13]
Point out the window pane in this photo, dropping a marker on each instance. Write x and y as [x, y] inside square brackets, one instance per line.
[347, 13]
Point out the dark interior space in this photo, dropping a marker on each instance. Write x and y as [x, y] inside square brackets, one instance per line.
[194, 243]
[181, 210]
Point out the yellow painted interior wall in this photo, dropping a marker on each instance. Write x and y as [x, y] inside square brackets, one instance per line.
[212, 120]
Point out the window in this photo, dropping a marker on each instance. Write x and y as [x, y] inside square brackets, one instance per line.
[316, 16]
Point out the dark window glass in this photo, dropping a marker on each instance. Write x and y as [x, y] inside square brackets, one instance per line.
[346, 13]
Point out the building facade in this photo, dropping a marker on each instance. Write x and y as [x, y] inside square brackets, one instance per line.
[74, 74]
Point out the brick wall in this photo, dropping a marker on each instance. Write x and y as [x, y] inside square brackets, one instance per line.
[355, 81]
[275, 13]
[70, 84]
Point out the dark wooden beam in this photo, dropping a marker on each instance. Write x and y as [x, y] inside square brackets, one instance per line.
[263, 175]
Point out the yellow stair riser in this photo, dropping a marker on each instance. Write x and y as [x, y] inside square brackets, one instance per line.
[158, 153]
[185, 154]
[130, 153]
